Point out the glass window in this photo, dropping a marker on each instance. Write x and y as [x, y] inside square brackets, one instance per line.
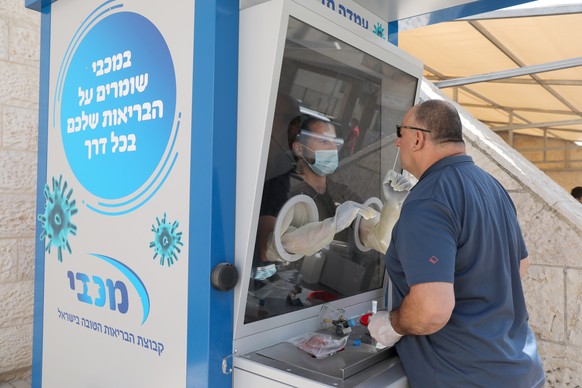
[332, 141]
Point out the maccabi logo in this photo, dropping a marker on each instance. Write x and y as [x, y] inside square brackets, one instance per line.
[110, 292]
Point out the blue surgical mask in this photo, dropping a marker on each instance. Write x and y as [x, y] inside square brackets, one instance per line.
[326, 162]
[265, 272]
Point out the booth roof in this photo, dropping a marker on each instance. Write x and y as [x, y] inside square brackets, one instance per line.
[517, 70]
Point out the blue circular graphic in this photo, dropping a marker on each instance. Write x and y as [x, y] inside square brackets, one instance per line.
[118, 105]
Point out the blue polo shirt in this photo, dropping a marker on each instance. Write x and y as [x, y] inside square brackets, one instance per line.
[458, 225]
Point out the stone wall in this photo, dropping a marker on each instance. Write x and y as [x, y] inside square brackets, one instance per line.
[551, 222]
[562, 161]
[19, 90]
[550, 218]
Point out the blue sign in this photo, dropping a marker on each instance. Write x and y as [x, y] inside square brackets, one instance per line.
[118, 105]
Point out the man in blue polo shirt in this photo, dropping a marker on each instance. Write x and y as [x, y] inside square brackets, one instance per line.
[456, 258]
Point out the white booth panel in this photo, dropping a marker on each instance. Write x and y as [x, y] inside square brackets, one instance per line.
[299, 62]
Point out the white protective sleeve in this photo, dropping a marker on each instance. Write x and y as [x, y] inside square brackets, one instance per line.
[310, 238]
[375, 233]
[375, 228]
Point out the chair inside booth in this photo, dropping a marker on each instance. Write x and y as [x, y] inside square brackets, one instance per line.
[332, 141]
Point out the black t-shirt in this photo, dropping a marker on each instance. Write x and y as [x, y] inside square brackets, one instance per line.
[279, 189]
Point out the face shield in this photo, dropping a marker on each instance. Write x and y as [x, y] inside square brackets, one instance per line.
[325, 150]
[316, 141]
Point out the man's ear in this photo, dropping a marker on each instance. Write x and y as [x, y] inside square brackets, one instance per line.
[297, 149]
[419, 139]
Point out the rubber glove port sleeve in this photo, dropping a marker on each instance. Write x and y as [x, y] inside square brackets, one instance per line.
[375, 232]
[375, 228]
[310, 238]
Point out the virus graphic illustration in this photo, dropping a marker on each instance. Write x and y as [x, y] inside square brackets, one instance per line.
[379, 30]
[56, 220]
[166, 241]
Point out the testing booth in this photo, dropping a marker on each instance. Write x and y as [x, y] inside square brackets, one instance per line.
[177, 147]
[336, 71]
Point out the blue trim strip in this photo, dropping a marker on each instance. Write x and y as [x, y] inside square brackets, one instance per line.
[457, 12]
[212, 189]
[37, 333]
[474, 8]
[393, 33]
[224, 183]
[38, 5]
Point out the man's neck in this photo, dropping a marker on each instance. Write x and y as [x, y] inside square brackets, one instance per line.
[319, 183]
[441, 151]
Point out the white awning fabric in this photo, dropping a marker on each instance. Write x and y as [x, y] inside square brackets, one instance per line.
[517, 69]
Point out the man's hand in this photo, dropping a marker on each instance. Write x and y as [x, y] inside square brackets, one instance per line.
[381, 329]
[347, 212]
[396, 188]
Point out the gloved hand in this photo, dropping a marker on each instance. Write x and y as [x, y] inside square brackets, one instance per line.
[396, 188]
[311, 237]
[381, 329]
[347, 212]
[375, 233]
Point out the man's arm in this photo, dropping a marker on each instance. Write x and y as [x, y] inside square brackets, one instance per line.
[309, 238]
[266, 227]
[425, 310]
[375, 233]
[523, 266]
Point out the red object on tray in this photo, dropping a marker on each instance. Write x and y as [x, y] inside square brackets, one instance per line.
[365, 319]
[323, 296]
